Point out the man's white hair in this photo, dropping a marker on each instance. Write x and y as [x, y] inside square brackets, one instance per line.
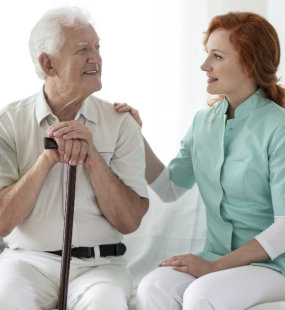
[47, 36]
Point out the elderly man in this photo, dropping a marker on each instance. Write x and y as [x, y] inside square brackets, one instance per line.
[111, 194]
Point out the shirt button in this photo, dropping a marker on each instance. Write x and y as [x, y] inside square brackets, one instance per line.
[230, 129]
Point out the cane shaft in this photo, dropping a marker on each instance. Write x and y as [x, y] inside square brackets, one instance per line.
[50, 143]
[67, 237]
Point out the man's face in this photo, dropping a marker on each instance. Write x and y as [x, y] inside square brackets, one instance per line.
[79, 65]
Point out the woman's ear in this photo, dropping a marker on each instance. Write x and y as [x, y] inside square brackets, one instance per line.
[46, 65]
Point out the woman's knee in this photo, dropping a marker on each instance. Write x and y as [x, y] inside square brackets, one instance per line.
[164, 288]
[157, 280]
[204, 294]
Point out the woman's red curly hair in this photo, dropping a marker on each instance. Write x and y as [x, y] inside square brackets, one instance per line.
[258, 47]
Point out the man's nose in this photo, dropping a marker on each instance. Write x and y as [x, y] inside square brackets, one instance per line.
[95, 57]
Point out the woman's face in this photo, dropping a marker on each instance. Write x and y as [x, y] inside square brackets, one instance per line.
[223, 68]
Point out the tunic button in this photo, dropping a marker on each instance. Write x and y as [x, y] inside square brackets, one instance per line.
[230, 129]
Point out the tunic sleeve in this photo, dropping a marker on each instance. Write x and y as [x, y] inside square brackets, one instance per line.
[276, 153]
[181, 170]
[272, 239]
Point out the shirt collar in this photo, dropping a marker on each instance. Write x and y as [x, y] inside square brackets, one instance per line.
[252, 103]
[42, 108]
[88, 108]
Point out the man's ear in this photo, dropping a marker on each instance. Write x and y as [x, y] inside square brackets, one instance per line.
[46, 65]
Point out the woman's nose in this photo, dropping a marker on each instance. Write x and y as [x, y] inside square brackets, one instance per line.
[205, 66]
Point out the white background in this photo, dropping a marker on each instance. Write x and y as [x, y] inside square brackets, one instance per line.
[151, 49]
[152, 52]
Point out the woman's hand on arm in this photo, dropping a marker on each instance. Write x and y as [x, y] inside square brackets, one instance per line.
[154, 166]
[123, 107]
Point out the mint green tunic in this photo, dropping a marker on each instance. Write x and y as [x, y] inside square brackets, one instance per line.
[239, 167]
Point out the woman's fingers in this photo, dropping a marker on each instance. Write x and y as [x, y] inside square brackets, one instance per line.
[123, 107]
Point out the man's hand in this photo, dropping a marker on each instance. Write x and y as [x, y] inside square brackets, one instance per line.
[192, 264]
[74, 140]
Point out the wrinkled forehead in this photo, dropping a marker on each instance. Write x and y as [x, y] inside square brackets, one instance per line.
[80, 36]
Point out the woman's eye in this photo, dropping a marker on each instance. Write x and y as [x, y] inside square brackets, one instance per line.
[217, 56]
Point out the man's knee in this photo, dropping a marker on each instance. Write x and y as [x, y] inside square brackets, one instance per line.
[23, 281]
[102, 297]
[13, 297]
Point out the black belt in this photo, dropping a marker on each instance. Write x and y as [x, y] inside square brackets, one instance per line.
[105, 250]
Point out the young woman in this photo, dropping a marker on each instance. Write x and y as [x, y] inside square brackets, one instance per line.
[235, 151]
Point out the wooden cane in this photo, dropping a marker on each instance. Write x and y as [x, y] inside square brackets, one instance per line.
[50, 143]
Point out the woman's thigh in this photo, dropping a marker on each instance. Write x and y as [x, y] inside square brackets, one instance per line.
[236, 289]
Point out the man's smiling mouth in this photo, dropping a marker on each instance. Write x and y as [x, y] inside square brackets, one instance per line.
[91, 72]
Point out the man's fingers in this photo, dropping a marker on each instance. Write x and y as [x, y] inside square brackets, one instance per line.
[83, 152]
[53, 128]
[75, 151]
[76, 134]
[67, 150]
[60, 145]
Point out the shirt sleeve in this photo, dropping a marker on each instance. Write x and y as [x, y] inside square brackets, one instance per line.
[272, 239]
[9, 172]
[128, 161]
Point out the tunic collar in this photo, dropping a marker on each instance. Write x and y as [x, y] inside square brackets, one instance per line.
[251, 104]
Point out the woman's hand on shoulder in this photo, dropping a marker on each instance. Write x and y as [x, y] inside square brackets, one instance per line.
[123, 107]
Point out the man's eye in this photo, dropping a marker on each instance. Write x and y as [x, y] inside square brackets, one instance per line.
[97, 47]
[82, 50]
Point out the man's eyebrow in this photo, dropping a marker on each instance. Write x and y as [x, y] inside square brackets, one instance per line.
[82, 43]
[85, 43]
